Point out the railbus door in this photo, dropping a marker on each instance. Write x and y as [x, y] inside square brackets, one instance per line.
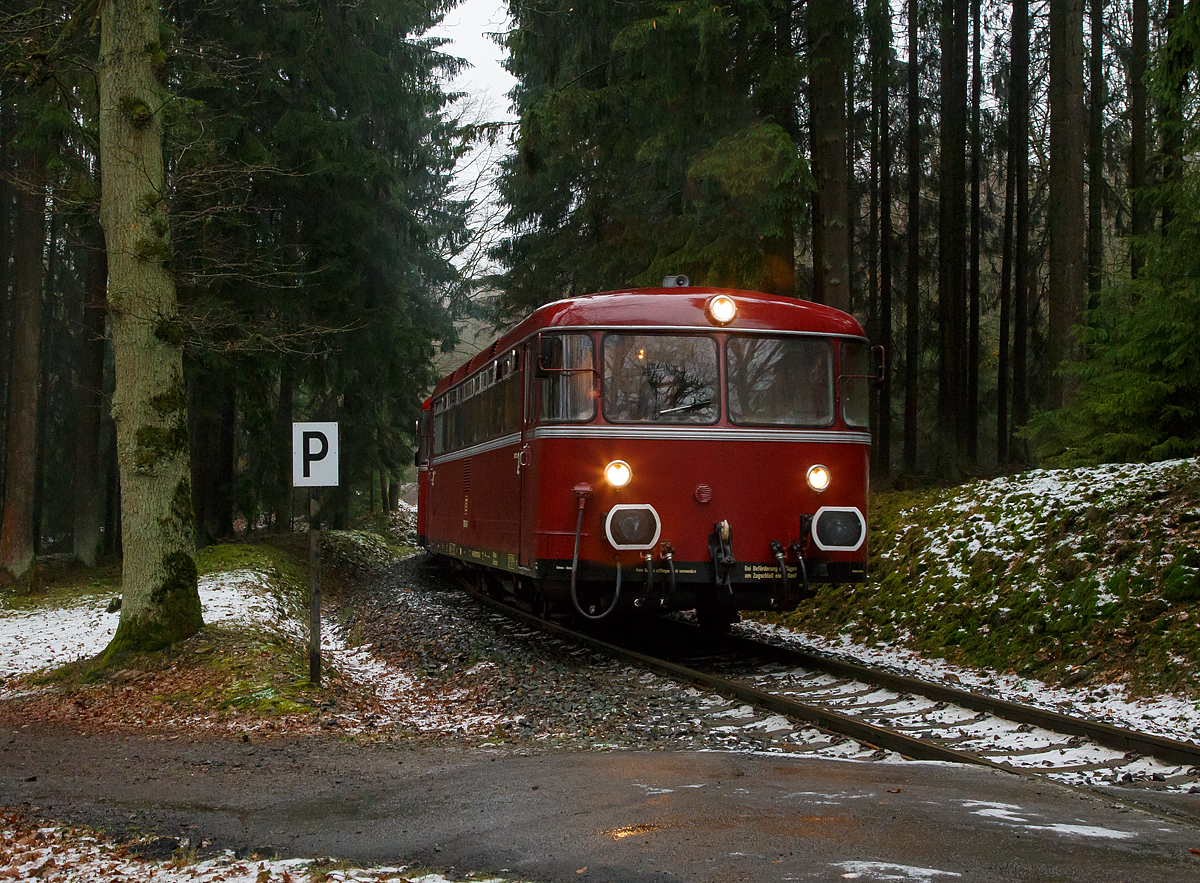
[560, 394]
[525, 465]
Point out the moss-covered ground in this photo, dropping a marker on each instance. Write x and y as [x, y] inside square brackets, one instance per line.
[1068, 576]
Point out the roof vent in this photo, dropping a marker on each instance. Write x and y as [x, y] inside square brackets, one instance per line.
[675, 282]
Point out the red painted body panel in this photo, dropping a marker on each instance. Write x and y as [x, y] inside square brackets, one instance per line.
[758, 487]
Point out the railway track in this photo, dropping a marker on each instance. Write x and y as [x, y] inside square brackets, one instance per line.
[893, 713]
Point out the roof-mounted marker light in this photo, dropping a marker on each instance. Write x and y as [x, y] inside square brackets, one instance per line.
[722, 309]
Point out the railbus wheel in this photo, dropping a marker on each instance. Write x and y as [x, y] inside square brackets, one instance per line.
[717, 619]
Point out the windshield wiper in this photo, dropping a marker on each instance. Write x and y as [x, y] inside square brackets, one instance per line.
[692, 407]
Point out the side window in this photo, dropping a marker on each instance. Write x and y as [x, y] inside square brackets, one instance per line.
[566, 373]
[853, 368]
[507, 393]
[514, 389]
[439, 426]
[423, 426]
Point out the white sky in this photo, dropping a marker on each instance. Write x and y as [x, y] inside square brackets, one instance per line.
[468, 26]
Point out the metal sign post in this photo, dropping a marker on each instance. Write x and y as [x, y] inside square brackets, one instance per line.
[314, 464]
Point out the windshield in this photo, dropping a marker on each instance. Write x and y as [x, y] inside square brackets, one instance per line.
[659, 378]
[780, 381]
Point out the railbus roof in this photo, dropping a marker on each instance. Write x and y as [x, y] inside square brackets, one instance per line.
[665, 308]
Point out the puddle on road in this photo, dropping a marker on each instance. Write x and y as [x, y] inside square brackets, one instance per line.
[631, 831]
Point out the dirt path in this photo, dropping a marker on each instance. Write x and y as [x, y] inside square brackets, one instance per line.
[624, 816]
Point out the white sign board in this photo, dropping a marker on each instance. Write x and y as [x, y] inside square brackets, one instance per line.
[314, 455]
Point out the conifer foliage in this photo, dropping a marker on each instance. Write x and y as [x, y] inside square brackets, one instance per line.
[1139, 396]
[304, 220]
[653, 139]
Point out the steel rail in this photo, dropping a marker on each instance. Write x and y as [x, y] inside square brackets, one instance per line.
[873, 736]
[1107, 735]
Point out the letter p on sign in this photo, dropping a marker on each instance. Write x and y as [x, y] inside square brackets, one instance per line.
[314, 455]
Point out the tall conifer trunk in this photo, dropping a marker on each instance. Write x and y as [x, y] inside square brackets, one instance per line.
[1003, 368]
[952, 231]
[1171, 122]
[779, 249]
[1139, 51]
[7, 124]
[281, 503]
[881, 219]
[972, 428]
[829, 24]
[912, 282]
[1066, 216]
[17, 539]
[1019, 156]
[89, 485]
[1095, 171]
[161, 603]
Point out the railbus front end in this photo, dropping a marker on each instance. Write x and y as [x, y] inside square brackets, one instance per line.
[668, 449]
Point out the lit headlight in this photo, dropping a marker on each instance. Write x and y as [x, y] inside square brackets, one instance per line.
[818, 478]
[617, 473]
[722, 309]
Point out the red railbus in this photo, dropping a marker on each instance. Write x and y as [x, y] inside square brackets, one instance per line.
[662, 449]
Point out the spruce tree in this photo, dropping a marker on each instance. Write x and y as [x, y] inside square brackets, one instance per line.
[653, 138]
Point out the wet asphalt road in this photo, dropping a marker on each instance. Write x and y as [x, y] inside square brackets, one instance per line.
[609, 816]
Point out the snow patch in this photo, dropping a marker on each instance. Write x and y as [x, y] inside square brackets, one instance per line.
[884, 871]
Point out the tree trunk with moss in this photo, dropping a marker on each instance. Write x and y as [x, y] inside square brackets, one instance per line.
[160, 600]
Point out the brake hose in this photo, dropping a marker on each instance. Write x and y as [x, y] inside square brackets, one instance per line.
[575, 568]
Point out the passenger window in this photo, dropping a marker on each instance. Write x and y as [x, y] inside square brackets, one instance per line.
[566, 366]
[439, 426]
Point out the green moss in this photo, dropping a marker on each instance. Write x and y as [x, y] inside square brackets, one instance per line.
[139, 112]
[182, 511]
[158, 443]
[171, 332]
[158, 57]
[156, 249]
[1181, 579]
[224, 557]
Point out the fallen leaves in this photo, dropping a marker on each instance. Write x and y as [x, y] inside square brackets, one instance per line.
[29, 850]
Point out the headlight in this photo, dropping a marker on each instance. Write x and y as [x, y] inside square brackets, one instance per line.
[839, 529]
[817, 478]
[722, 309]
[617, 473]
[632, 527]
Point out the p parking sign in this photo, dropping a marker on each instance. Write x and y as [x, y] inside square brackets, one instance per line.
[314, 455]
